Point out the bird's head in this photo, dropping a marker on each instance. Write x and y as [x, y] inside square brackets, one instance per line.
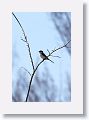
[40, 51]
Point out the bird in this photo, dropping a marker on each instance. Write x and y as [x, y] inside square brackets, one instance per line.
[43, 56]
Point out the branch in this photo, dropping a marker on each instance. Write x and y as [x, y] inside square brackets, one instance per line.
[20, 26]
[26, 41]
[26, 70]
[32, 79]
[50, 53]
[55, 56]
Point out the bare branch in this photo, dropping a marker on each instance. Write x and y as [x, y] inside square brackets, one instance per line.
[20, 26]
[55, 56]
[32, 79]
[23, 40]
[48, 51]
[58, 48]
[26, 70]
[63, 29]
[50, 54]
[29, 49]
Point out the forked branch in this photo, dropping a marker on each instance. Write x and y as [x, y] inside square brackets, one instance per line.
[50, 54]
[65, 45]
[29, 49]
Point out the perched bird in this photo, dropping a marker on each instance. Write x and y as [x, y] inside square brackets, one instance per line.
[43, 56]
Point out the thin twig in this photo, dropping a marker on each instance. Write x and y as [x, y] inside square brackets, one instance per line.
[29, 49]
[48, 51]
[23, 40]
[26, 70]
[58, 48]
[55, 56]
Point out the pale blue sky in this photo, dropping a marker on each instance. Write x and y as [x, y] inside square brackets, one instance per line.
[42, 35]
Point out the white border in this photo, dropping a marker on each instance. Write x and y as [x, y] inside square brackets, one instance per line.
[76, 104]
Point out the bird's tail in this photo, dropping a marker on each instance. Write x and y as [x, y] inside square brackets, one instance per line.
[50, 60]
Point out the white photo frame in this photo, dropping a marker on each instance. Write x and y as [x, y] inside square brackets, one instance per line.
[76, 104]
